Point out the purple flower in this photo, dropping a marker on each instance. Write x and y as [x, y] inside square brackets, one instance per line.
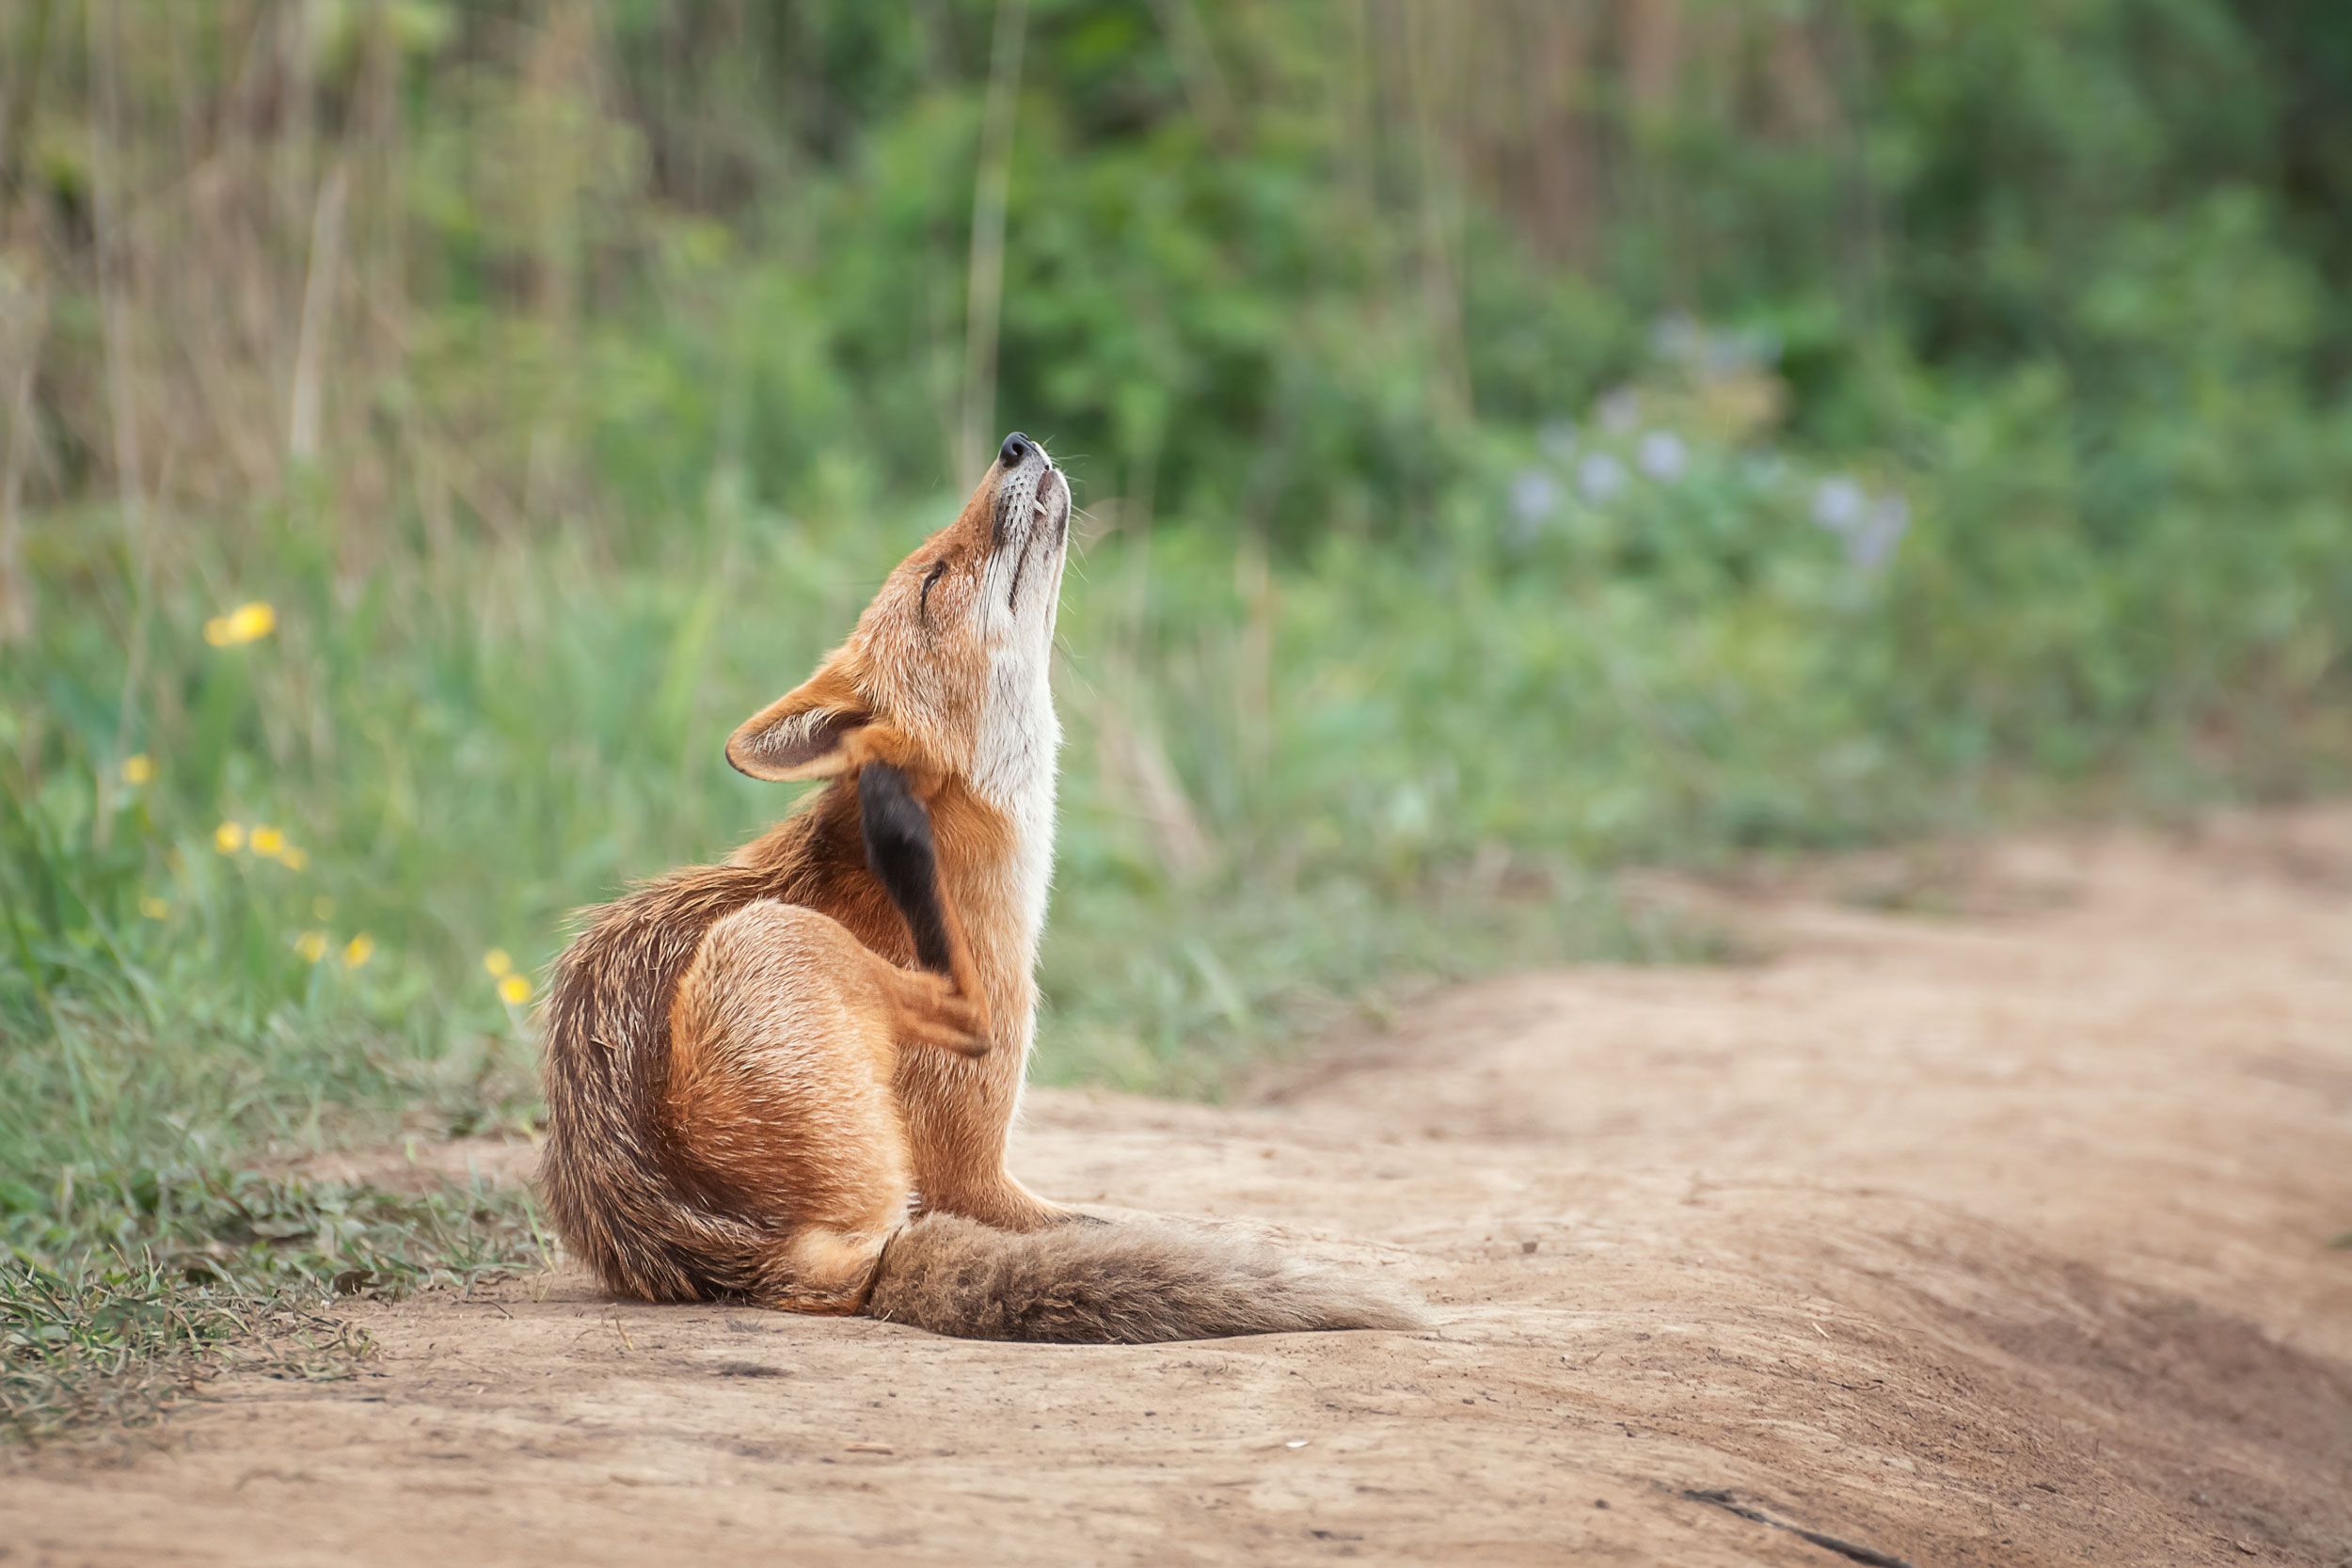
[1663, 455]
[1599, 477]
[1534, 497]
[1872, 545]
[1838, 503]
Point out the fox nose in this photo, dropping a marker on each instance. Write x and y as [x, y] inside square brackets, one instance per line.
[1016, 448]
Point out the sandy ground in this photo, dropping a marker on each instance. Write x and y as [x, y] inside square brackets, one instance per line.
[1992, 1230]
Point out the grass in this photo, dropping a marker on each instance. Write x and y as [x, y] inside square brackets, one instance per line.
[213, 1268]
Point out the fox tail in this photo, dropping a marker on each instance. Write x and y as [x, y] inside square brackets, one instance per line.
[1136, 1282]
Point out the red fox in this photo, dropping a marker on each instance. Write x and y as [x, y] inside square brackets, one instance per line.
[790, 1077]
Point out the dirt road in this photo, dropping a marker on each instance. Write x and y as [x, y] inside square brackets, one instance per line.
[1992, 1235]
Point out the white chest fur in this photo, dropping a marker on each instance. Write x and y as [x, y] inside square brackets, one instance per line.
[1014, 772]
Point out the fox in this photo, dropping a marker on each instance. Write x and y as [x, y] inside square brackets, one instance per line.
[788, 1078]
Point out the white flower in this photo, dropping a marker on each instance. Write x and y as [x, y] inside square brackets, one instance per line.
[1620, 410]
[1663, 455]
[1599, 477]
[1838, 503]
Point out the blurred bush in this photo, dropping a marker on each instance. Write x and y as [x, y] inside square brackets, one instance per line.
[523, 266]
[1519, 437]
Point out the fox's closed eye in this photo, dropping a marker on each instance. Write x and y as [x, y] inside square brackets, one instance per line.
[939, 569]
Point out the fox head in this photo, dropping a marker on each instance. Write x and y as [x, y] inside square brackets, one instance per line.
[945, 673]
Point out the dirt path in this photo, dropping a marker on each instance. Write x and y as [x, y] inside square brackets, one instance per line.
[1995, 1235]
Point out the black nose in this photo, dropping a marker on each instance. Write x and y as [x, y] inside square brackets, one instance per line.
[1016, 446]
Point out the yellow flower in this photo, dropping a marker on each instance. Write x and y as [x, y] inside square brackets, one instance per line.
[229, 838]
[154, 908]
[514, 991]
[267, 840]
[138, 769]
[497, 963]
[248, 622]
[311, 945]
[358, 950]
[323, 908]
[293, 858]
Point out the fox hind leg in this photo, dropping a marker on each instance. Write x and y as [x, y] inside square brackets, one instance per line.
[781, 1054]
[823, 1270]
[901, 851]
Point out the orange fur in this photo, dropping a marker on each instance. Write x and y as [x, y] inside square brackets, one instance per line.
[749, 1088]
[724, 1058]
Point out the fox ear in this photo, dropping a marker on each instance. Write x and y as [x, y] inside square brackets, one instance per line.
[813, 730]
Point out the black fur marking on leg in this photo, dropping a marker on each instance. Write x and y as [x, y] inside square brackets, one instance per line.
[899, 850]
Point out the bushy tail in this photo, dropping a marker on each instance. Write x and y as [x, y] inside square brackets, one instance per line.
[1136, 1282]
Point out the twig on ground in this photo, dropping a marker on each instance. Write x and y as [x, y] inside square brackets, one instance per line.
[1730, 1504]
